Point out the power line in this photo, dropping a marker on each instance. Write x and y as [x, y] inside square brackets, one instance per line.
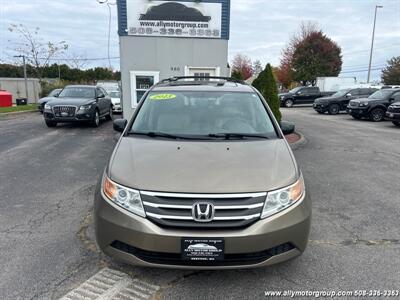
[360, 71]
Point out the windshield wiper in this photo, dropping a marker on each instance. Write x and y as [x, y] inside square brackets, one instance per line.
[165, 135]
[229, 135]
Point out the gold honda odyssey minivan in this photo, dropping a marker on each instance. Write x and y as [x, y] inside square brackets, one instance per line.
[202, 178]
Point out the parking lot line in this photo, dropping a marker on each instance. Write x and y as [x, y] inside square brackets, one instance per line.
[112, 284]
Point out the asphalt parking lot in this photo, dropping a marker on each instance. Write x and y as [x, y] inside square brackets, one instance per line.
[48, 177]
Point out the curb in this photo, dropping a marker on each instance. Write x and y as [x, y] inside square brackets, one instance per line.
[18, 112]
[302, 141]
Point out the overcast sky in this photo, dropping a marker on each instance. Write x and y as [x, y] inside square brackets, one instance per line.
[259, 28]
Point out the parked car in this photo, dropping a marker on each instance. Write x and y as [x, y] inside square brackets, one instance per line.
[393, 113]
[78, 103]
[390, 86]
[374, 107]
[202, 163]
[301, 95]
[42, 101]
[339, 101]
[116, 101]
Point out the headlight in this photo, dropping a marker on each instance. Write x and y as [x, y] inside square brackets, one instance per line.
[363, 103]
[281, 97]
[123, 196]
[281, 199]
[85, 107]
[47, 106]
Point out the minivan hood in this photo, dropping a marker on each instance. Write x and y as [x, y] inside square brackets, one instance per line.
[202, 166]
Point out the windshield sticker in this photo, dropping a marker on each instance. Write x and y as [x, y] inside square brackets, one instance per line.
[163, 97]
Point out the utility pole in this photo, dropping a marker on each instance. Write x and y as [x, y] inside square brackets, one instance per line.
[25, 76]
[372, 43]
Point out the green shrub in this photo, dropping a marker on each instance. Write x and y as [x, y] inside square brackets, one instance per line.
[265, 83]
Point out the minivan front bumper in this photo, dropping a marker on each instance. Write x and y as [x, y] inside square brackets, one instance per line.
[136, 240]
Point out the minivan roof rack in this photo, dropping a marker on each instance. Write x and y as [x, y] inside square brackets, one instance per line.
[181, 78]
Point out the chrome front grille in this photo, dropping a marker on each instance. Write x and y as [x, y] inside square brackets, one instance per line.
[229, 210]
[64, 111]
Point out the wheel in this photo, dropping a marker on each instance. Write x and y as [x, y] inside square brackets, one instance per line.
[377, 115]
[51, 123]
[333, 109]
[95, 119]
[288, 103]
[396, 123]
[110, 114]
[356, 117]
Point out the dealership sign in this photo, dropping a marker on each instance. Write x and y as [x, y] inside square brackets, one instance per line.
[174, 19]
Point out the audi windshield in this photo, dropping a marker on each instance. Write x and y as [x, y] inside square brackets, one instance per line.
[204, 114]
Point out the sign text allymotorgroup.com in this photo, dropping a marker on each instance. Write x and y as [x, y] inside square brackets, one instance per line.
[174, 19]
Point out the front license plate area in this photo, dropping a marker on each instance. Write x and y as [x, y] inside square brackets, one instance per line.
[202, 249]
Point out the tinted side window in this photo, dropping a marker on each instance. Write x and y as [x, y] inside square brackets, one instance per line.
[104, 91]
[367, 91]
[355, 92]
[396, 96]
[310, 90]
[98, 92]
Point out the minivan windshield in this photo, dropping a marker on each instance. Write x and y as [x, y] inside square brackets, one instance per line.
[205, 114]
[381, 94]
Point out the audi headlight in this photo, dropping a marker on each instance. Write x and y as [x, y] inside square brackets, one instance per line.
[122, 196]
[363, 103]
[85, 107]
[47, 106]
[281, 199]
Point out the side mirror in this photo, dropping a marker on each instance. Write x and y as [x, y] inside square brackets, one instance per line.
[287, 127]
[298, 93]
[120, 124]
[100, 96]
[348, 95]
[56, 95]
[391, 99]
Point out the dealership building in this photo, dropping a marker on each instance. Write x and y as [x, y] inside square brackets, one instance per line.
[162, 39]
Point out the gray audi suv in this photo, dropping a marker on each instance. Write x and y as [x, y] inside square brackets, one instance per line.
[202, 178]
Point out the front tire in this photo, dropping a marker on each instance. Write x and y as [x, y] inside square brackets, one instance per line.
[396, 123]
[377, 115]
[51, 123]
[95, 119]
[333, 109]
[288, 103]
[110, 114]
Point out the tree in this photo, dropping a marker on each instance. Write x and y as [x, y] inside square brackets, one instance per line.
[323, 59]
[391, 74]
[316, 55]
[285, 70]
[265, 83]
[257, 67]
[237, 75]
[242, 64]
[37, 52]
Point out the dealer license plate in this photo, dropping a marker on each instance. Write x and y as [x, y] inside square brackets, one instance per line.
[202, 249]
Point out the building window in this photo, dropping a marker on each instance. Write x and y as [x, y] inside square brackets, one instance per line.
[202, 75]
[141, 81]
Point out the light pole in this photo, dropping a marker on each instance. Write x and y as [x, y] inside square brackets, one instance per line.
[109, 27]
[372, 43]
[25, 76]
